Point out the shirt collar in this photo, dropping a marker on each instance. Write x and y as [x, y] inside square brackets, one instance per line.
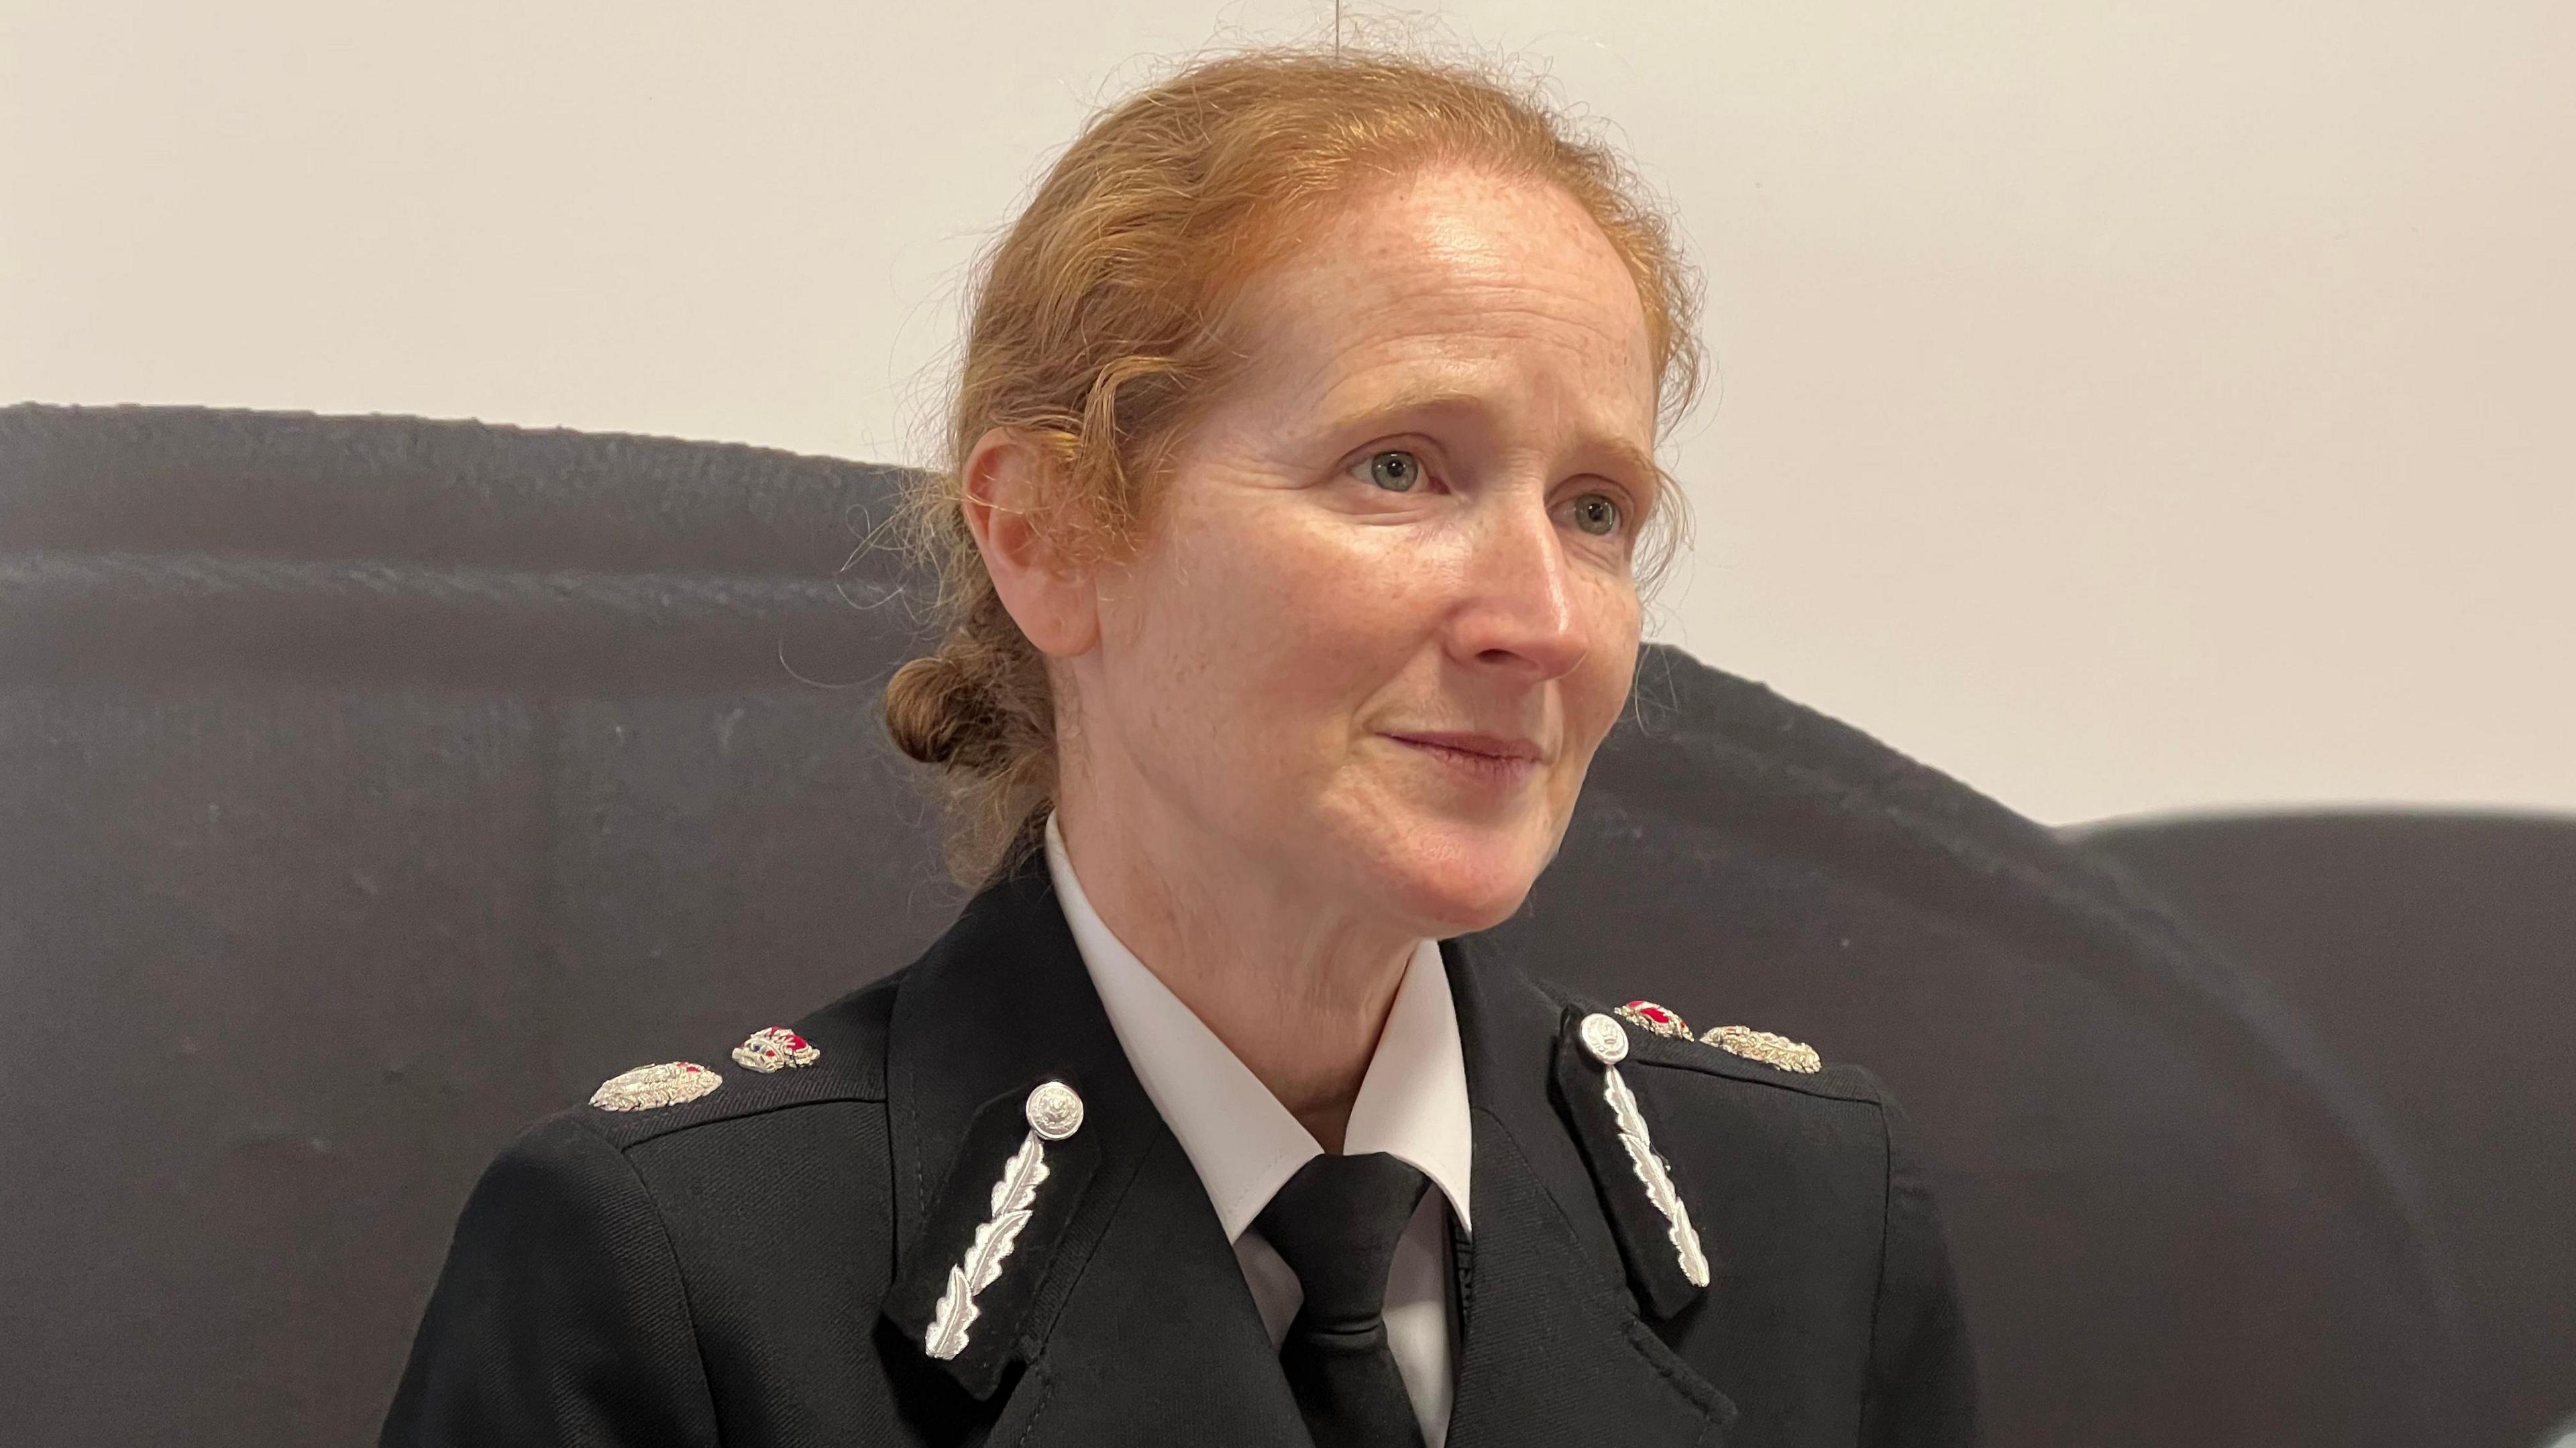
[1412, 1102]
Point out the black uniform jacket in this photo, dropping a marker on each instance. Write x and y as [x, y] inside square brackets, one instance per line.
[760, 1265]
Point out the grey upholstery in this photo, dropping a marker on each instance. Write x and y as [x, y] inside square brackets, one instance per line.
[2433, 956]
[372, 786]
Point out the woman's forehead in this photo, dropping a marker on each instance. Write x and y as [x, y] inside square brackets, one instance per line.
[1447, 288]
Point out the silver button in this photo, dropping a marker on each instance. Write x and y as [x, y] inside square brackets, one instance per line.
[1605, 1038]
[1054, 1111]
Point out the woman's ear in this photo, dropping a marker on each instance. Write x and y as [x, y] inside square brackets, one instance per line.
[1051, 598]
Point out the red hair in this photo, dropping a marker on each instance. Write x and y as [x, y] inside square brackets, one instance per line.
[1096, 328]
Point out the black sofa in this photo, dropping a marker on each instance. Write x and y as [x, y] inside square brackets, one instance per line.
[370, 787]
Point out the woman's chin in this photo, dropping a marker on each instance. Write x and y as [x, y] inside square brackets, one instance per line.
[1460, 885]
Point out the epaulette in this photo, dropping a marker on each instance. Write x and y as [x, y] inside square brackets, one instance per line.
[1743, 1053]
[1645, 1195]
[837, 1054]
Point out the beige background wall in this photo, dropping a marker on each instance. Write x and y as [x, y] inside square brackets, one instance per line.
[2125, 406]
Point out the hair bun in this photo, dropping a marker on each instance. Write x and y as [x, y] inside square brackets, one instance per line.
[933, 712]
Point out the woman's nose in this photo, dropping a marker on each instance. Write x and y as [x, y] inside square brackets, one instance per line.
[1523, 610]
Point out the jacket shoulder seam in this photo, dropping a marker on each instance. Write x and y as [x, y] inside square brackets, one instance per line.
[1835, 1083]
[679, 1269]
[631, 1136]
[1858, 1093]
[1878, 1298]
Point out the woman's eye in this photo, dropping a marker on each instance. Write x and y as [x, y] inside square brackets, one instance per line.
[1395, 471]
[1597, 513]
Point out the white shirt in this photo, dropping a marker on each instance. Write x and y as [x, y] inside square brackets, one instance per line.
[1245, 1145]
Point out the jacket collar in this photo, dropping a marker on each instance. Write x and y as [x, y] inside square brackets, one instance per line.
[1121, 1313]
[1553, 1350]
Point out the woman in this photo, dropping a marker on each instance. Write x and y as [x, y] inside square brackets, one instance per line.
[1303, 491]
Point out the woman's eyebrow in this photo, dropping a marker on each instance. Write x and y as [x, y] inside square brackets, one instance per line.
[1408, 402]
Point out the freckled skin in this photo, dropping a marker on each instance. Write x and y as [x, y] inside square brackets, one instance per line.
[1228, 788]
[1295, 610]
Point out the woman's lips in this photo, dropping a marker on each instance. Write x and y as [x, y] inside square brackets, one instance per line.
[1485, 768]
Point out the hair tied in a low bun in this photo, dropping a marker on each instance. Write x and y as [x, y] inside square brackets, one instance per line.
[933, 712]
[1097, 325]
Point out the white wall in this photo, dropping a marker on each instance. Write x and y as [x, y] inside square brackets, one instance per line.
[2126, 406]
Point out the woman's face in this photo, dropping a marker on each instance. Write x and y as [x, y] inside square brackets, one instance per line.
[1414, 517]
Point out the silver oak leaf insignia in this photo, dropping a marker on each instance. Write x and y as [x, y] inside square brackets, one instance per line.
[1013, 1198]
[1658, 1180]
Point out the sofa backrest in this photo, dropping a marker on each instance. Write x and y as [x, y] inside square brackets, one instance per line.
[370, 787]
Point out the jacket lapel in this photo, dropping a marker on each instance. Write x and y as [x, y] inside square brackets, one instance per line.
[1159, 1342]
[1553, 1350]
[1129, 1320]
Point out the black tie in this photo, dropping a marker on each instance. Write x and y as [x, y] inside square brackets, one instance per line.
[1336, 1222]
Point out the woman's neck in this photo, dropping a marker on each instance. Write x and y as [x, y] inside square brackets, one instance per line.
[1298, 989]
